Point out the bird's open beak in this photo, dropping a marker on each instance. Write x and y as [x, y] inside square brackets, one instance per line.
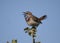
[24, 13]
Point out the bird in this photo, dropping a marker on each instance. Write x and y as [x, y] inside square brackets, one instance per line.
[33, 20]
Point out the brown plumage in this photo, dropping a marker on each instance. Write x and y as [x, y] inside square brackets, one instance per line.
[43, 17]
[33, 20]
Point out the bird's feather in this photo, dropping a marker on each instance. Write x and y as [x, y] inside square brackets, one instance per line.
[43, 17]
[35, 18]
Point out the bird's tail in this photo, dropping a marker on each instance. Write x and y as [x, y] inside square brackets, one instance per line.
[43, 17]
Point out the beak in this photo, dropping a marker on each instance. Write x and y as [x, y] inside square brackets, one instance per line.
[23, 13]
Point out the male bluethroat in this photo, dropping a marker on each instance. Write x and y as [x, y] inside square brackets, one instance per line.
[33, 20]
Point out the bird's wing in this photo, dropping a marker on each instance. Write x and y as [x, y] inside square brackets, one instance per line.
[43, 17]
[35, 18]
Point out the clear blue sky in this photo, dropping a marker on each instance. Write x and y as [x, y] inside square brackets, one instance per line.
[12, 22]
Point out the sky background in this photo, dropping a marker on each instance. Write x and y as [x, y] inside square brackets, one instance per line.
[12, 22]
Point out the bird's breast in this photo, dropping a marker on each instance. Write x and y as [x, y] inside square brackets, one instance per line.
[31, 22]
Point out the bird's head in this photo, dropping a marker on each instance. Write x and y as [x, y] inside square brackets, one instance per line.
[27, 13]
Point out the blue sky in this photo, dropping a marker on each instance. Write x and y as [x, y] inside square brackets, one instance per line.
[12, 22]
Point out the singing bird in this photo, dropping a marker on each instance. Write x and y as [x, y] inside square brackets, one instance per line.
[33, 20]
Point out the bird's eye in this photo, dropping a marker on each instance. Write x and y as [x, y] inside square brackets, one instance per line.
[26, 13]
